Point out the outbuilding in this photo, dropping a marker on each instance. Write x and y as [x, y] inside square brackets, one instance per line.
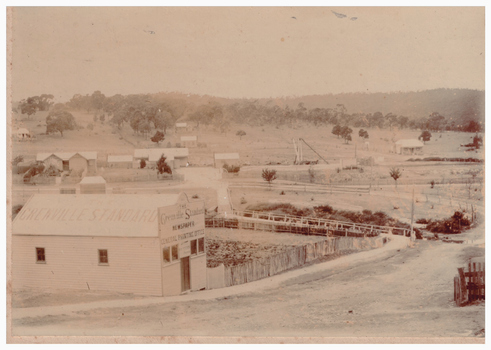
[409, 147]
[189, 141]
[142, 244]
[22, 134]
[175, 157]
[181, 127]
[74, 161]
[93, 185]
[120, 161]
[226, 158]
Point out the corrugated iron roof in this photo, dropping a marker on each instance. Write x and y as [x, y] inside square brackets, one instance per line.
[93, 180]
[120, 158]
[66, 155]
[181, 125]
[118, 215]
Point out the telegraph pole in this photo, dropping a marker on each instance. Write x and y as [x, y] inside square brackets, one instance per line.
[412, 217]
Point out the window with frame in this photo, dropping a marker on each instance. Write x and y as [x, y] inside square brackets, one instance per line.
[166, 252]
[40, 255]
[194, 247]
[175, 252]
[201, 245]
[103, 258]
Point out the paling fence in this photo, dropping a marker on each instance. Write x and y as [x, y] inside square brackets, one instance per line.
[141, 177]
[295, 257]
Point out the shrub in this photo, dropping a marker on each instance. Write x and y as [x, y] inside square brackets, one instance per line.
[143, 164]
[195, 196]
[231, 168]
[454, 224]
[282, 193]
[269, 175]
[17, 160]
[243, 200]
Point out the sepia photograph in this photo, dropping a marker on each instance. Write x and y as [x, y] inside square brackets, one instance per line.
[245, 175]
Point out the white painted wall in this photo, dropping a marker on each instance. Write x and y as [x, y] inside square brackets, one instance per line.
[72, 262]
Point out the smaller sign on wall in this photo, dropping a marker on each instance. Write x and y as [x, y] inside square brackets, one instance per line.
[184, 249]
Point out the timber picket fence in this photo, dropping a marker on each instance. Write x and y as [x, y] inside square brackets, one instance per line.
[295, 257]
[470, 285]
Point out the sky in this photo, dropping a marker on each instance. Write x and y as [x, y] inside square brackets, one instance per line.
[244, 52]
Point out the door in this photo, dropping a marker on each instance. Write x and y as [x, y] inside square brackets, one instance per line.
[185, 274]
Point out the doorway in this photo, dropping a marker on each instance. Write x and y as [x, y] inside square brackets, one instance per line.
[185, 274]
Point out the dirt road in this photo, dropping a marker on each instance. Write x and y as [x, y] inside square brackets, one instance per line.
[407, 293]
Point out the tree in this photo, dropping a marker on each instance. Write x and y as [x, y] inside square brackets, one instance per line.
[90, 126]
[158, 137]
[336, 130]
[346, 133]
[162, 166]
[102, 118]
[395, 173]
[363, 133]
[29, 106]
[240, 133]
[97, 100]
[59, 121]
[425, 136]
[477, 141]
[95, 118]
[143, 164]
[269, 175]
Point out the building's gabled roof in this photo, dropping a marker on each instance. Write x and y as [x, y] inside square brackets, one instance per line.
[119, 158]
[93, 180]
[66, 155]
[189, 138]
[410, 143]
[105, 215]
[154, 154]
[22, 131]
[226, 156]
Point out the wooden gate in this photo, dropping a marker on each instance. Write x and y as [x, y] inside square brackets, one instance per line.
[470, 285]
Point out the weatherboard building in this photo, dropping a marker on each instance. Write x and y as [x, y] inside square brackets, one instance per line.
[142, 244]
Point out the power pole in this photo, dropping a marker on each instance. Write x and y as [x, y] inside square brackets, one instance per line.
[412, 217]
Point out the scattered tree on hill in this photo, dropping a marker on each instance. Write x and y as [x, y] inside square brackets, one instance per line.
[363, 133]
[158, 137]
[95, 118]
[269, 175]
[162, 166]
[346, 133]
[102, 118]
[425, 136]
[29, 106]
[59, 121]
[143, 163]
[241, 133]
[477, 141]
[90, 127]
[336, 130]
[17, 160]
[395, 173]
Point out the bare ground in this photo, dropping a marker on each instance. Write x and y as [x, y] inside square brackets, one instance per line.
[407, 293]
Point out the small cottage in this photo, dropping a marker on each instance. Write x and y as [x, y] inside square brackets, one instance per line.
[409, 147]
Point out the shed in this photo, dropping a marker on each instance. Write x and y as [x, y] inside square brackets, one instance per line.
[226, 158]
[409, 147]
[93, 185]
[189, 141]
[181, 127]
[22, 134]
[142, 244]
[76, 161]
[120, 161]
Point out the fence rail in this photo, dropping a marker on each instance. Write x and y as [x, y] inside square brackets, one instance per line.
[298, 225]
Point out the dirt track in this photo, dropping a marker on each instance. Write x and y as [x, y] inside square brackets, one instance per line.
[375, 299]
